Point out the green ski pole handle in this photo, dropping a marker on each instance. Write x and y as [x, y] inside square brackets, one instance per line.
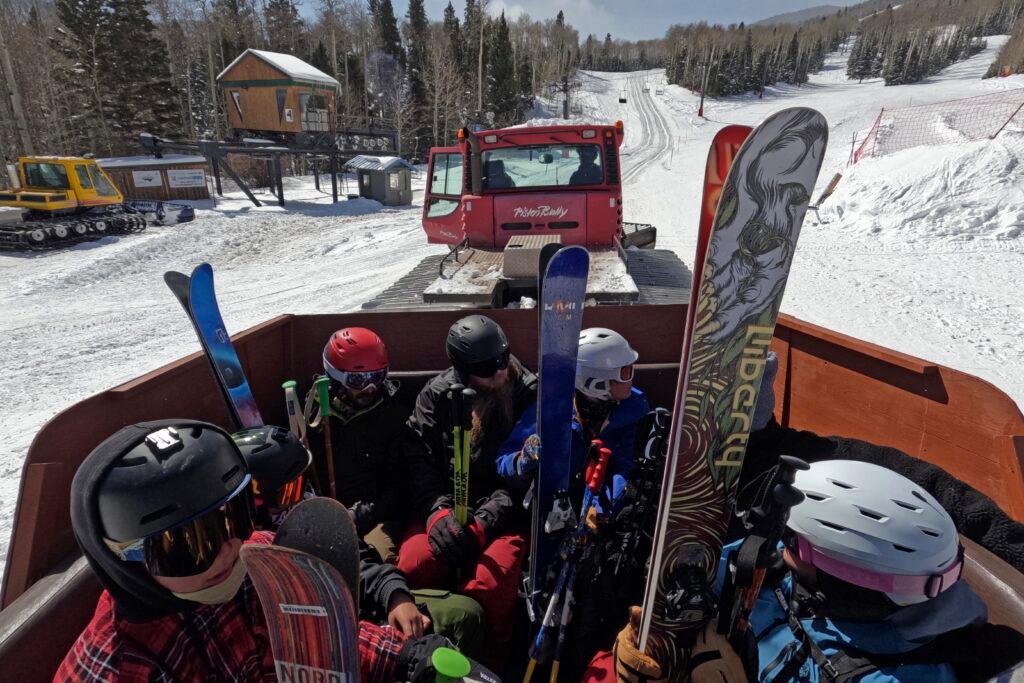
[323, 392]
[450, 665]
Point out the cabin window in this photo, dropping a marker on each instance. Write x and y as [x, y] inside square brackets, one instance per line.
[49, 176]
[83, 176]
[446, 177]
[236, 98]
[103, 186]
[441, 207]
[393, 181]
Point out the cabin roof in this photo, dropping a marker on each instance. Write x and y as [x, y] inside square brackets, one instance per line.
[166, 160]
[289, 65]
[365, 162]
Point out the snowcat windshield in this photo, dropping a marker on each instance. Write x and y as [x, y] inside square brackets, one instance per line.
[542, 166]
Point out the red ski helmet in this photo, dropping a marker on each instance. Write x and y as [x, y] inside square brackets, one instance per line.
[354, 349]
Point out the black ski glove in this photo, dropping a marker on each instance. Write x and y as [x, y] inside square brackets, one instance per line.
[492, 513]
[414, 663]
[450, 542]
[364, 516]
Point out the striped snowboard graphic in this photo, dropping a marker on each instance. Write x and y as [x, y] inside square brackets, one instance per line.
[310, 616]
[741, 284]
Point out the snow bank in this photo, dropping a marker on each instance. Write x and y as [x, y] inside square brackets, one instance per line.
[951, 193]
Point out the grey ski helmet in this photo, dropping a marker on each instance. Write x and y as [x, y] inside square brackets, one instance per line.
[602, 355]
[169, 472]
[275, 457]
[874, 528]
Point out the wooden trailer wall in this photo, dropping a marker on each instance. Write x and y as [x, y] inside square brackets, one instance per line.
[252, 90]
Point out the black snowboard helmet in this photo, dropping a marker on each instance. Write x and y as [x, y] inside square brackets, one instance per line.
[477, 345]
[169, 472]
[277, 461]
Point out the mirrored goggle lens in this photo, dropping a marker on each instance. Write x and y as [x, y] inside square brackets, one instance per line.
[626, 374]
[359, 380]
[488, 368]
[190, 549]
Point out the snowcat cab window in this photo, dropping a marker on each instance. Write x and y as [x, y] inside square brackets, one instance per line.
[446, 176]
[103, 186]
[557, 165]
[83, 176]
[50, 176]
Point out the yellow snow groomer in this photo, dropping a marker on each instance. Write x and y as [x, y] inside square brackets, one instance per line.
[66, 200]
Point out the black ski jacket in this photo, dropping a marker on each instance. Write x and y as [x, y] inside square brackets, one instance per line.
[378, 582]
[431, 454]
[369, 462]
[976, 515]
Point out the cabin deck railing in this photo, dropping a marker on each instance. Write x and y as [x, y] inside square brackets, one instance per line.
[828, 382]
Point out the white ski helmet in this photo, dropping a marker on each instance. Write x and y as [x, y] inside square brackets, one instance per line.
[602, 355]
[869, 526]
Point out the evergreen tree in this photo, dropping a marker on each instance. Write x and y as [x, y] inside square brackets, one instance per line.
[236, 20]
[320, 58]
[502, 99]
[385, 26]
[416, 39]
[454, 33]
[284, 28]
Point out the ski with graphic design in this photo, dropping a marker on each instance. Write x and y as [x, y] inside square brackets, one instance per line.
[311, 617]
[197, 296]
[740, 280]
[561, 318]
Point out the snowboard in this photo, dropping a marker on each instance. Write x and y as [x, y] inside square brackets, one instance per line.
[311, 618]
[561, 318]
[199, 299]
[739, 282]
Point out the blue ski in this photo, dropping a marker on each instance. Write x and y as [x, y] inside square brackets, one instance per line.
[197, 296]
[561, 316]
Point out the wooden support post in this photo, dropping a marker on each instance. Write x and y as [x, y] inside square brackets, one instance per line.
[334, 178]
[216, 175]
[279, 179]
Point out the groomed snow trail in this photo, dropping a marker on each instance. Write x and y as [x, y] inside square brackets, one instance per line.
[920, 252]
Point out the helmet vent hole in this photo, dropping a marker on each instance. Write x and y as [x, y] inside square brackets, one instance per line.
[871, 514]
[917, 494]
[162, 512]
[830, 525]
[929, 532]
[842, 484]
[261, 447]
[132, 461]
[903, 548]
[816, 496]
[230, 474]
[908, 506]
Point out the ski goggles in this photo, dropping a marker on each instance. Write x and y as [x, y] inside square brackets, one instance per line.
[282, 497]
[191, 548]
[929, 586]
[486, 369]
[356, 380]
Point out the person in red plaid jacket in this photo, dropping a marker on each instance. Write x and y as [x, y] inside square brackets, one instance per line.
[161, 510]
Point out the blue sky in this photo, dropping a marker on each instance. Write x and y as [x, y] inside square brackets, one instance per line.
[630, 19]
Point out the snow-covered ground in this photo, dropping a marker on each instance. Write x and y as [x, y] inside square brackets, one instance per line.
[921, 252]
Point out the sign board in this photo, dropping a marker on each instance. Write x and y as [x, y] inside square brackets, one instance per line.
[289, 115]
[186, 177]
[147, 179]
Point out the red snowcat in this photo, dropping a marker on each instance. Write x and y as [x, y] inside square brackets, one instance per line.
[498, 196]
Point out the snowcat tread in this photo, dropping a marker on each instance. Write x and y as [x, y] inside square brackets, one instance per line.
[658, 273]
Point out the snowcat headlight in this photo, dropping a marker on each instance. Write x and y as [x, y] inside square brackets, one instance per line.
[588, 134]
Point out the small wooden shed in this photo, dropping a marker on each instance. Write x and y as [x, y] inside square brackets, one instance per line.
[271, 92]
[386, 179]
[174, 176]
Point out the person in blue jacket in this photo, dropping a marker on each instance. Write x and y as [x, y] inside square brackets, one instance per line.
[608, 407]
[869, 591]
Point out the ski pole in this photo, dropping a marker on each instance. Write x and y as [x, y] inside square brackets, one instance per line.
[468, 396]
[458, 478]
[595, 480]
[296, 422]
[765, 523]
[323, 391]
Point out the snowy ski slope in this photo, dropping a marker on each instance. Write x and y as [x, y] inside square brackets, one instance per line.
[921, 252]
